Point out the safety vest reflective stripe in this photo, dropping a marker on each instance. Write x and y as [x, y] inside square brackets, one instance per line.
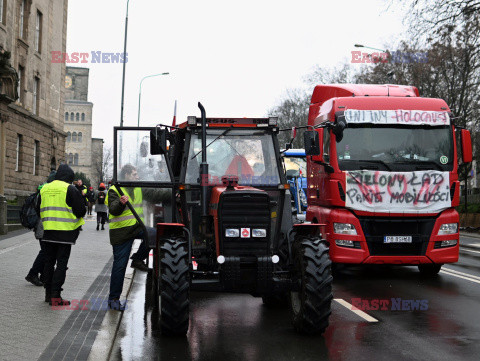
[120, 219]
[64, 209]
[57, 219]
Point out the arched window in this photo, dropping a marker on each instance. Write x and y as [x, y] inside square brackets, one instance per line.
[66, 116]
[83, 117]
[75, 159]
[74, 137]
[69, 136]
[53, 163]
[79, 137]
[77, 117]
[70, 159]
[72, 116]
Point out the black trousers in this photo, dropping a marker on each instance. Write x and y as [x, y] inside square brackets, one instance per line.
[55, 253]
[101, 217]
[39, 263]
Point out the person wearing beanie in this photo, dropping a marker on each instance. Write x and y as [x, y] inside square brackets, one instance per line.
[100, 206]
[62, 208]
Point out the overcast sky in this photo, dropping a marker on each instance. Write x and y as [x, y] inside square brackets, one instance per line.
[236, 57]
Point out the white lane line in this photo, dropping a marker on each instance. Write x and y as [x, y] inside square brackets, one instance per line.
[468, 250]
[476, 245]
[360, 313]
[461, 273]
[11, 248]
[459, 276]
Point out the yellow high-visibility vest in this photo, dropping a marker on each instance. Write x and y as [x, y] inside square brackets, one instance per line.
[127, 219]
[55, 213]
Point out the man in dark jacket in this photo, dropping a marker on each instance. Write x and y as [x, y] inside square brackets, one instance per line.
[61, 207]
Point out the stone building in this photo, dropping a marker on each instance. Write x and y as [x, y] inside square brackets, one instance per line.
[32, 93]
[82, 152]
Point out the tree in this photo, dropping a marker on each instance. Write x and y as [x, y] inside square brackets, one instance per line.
[85, 180]
[103, 164]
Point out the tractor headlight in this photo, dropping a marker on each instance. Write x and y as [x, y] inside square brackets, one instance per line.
[448, 228]
[259, 232]
[303, 199]
[344, 228]
[232, 232]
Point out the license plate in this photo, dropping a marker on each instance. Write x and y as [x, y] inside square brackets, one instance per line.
[397, 239]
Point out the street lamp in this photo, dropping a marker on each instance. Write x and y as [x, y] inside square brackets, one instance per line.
[124, 63]
[140, 92]
[369, 47]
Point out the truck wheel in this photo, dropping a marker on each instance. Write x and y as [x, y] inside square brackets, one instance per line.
[311, 305]
[429, 270]
[174, 287]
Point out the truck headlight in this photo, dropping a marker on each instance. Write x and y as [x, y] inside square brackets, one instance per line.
[303, 199]
[344, 228]
[448, 228]
[232, 232]
[259, 232]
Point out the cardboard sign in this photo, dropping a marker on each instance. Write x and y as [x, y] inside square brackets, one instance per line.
[403, 117]
[398, 192]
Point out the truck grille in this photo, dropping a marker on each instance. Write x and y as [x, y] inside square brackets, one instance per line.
[244, 209]
[420, 228]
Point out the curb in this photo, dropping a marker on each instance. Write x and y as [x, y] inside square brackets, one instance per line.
[103, 345]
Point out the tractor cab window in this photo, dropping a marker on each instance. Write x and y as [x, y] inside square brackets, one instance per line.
[246, 154]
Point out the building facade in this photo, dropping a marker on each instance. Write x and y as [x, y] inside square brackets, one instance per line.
[32, 93]
[82, 152]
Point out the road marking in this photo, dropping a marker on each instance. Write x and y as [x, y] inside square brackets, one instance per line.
[360, 313]
[459, 276]
[11, 248]
[476, 245]
[468, 250]
[461, 273]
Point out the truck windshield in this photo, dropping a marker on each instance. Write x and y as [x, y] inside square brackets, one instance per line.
[394, 148]
[248, 154]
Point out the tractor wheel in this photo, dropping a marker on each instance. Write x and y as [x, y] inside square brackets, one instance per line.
[311, 305]
[429, 270]
[174, 287]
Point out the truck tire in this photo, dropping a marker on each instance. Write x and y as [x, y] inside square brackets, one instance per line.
[311, 305]
[429, 270]
[174, 287]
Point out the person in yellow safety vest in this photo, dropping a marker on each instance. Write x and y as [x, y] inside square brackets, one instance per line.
[61, 208]
[124, 229]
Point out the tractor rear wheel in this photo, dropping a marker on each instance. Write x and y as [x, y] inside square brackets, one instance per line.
[174, 287]
[311, 305]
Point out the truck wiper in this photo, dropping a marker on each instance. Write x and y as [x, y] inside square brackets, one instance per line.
[423, 162]
[376, 161]
[221, 135]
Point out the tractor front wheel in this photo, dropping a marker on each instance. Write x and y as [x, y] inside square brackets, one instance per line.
[311, 305]
[174, 287]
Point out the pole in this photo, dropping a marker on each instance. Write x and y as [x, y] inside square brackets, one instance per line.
[140, 93]
[124, 64]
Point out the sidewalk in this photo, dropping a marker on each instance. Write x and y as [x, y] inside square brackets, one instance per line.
[30, 329]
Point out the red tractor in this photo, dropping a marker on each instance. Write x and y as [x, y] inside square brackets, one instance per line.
[229, 224]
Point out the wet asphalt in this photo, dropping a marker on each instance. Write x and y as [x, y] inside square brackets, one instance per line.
[239, 327]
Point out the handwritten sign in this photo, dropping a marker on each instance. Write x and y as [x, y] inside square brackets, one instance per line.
[398, 192]
[403, 117]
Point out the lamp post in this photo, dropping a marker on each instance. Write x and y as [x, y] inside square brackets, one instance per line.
[369, 47]
[140, 92]
[124, 63]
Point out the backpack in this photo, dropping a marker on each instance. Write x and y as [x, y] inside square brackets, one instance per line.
[28, 215]
[101, 197]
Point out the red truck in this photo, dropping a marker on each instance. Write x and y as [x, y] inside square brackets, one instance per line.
[385, 182]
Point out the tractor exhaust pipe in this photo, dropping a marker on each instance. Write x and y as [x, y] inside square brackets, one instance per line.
[204, 165]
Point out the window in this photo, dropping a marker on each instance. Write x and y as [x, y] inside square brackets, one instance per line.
[72, 116]
[38, 32]
[18, 162]
[74, 137]
[75, 159]
[3, 11]
[69, 137]
[83, 117]
[77, 117]
[21, 84]
[70, 159]
[66, 116]
[36, 157]
[22, 31]
[79, 137]
[36, 89]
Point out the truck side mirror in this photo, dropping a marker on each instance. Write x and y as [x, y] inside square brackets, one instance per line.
[312, 143]
[338, 128]
[158, 141]
[466, 146]
[319, 157]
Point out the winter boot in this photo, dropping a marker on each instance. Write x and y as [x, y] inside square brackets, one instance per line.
[57, 300]
[98, 225]
[103, 227]
[34, 280]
